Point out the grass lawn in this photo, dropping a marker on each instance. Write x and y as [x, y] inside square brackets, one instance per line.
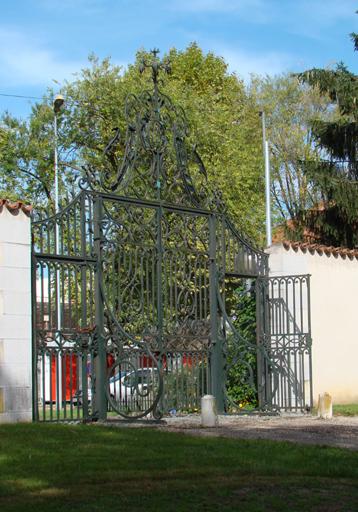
[89, 468]
[345, 410]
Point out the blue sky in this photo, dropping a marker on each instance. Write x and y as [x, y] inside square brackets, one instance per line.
[46, 40]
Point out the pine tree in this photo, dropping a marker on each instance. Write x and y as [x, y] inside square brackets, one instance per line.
[335, 220]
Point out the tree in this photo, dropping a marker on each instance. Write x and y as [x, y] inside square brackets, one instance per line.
[223, 119]
[335, 177]
[289, 107]
[27, 155]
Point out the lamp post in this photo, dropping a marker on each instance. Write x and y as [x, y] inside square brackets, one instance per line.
[57, 104]
[265, 147]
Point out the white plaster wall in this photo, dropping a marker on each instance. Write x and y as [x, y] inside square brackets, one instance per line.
[15, 318]
[334, 316]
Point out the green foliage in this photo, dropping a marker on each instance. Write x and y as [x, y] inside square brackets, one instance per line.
[223, 119]
[355, 40]
[239, 388]
[289, 107]
[335, 177]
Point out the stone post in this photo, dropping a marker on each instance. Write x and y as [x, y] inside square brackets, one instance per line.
[325, 407]
[15, 313]
[209, 415]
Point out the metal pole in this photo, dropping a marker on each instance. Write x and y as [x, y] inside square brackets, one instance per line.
[35, 398]
[268, 195]
[56, 163]
[57, 231]
[62, 392]
[217, 363]
[263, 121]
[265, 148]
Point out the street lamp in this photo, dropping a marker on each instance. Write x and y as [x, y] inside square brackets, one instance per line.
[265, 147]
[57, 104]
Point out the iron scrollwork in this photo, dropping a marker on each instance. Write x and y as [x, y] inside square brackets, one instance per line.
[154, 159]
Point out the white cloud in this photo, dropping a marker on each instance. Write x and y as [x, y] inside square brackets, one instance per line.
[24, 61]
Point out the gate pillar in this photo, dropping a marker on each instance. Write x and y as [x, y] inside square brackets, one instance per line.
[15, 314]
[216, 360]
[100, 361]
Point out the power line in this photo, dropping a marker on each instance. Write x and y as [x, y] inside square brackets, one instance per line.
[21, 96]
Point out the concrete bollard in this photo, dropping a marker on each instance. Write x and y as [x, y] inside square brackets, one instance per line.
[209, 415]
[325, 409]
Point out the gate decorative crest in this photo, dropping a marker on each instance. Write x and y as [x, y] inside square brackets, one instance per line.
[157, 163]
[131, 283]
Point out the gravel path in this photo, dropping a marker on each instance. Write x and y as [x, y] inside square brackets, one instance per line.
[341, 432]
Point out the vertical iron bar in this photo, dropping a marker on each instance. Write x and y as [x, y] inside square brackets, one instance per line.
[35, 412]
[100, 399]
[260, 305]
[57, 374]
[159, 277]
[216, 345]
[43, 369]
[70, 355]
[63, 359]
[159, 248]
[309, 349]
[84, 273]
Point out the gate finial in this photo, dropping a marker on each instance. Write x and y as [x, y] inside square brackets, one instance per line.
[156, 66]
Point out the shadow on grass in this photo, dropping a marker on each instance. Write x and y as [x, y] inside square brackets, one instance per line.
[90, 468]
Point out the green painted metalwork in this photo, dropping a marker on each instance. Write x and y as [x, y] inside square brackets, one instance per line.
[135, 288]
[284, 340]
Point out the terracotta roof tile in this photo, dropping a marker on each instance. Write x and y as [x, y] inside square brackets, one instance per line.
[15, 207]
[320, 249]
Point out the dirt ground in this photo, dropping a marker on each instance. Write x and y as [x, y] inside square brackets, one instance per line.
[341, 432]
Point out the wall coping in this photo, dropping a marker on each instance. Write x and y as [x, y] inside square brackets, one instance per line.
[15, 207]
[342, 252]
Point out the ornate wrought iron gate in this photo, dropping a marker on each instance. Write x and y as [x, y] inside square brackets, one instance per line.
[131, 290]
[284, 342]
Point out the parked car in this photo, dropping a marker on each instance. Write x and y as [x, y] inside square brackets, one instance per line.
[135, 386]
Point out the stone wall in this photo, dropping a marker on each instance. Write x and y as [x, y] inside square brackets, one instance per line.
[15, 316]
